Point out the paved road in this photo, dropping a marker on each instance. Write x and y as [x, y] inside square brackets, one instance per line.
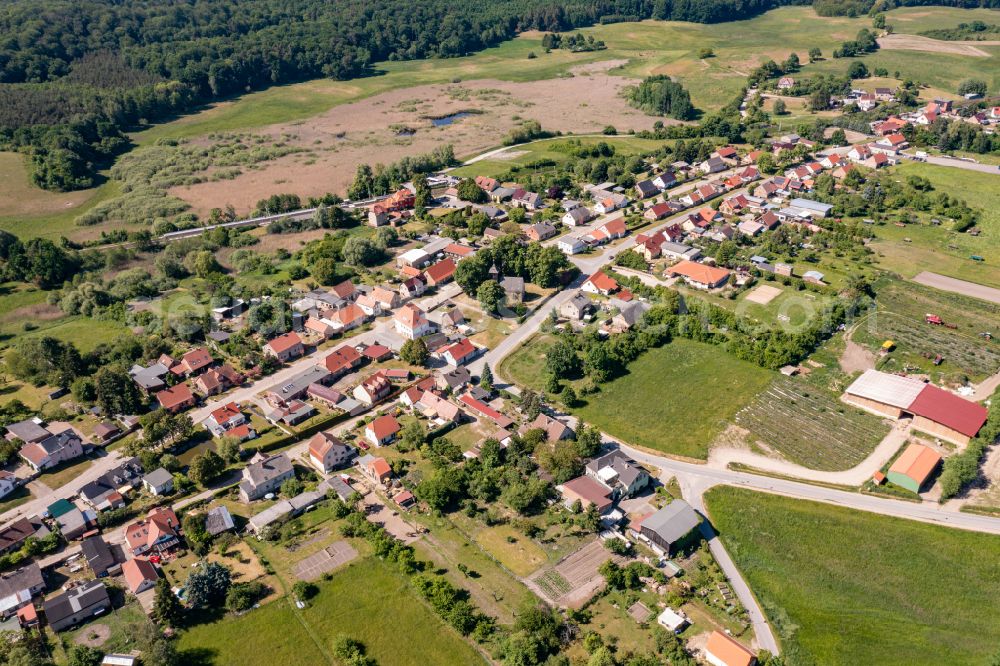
[703, 477]
[957, 286]
[37, 505]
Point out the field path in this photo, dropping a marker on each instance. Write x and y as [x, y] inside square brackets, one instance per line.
[901, 42]
[957, 286]
[722, 457]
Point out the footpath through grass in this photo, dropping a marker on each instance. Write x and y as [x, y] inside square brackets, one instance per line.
[849, 587]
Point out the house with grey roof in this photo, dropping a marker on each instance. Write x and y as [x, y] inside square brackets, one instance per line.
[77, 605]
[265, 476]
[150, 379]
[671, 528]
[28, 431]
[577, 307]
[620, 472]
[18, 587]
[219, 520]
[159, 481]
[99, 557]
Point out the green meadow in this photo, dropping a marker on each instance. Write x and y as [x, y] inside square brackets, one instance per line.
[881, 591]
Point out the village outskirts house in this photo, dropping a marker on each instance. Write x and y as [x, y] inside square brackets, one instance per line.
[328, 452]
[618, 471]
[265, 476]
[158, 533]
[77, 605]
[382, 430]
[285, 347]
[52, 450]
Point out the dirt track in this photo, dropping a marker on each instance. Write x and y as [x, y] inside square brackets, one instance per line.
[953, 285]
[918, 43]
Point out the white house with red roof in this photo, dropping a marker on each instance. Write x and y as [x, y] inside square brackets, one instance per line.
[285, 347]
[460, 352]
[411, 322]
[600, 283]
[382, 430]
[224, 418]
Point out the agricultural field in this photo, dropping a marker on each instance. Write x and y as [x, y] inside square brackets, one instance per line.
[366, 601]
[909, 595]
[631, 406]
[937, 248]
[810, 427]
[900, 318]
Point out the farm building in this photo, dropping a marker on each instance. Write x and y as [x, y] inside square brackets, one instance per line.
[672, 527]
[933, 410]
[914, 467]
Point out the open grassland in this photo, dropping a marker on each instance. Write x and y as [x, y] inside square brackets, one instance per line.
[659, 403]
[512, 549]
[902, 307]
[810, 427]
[936, 248]
[366, 601]
[550, 154]
[84, 332]
[881, 591]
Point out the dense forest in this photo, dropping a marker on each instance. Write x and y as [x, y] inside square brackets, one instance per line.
[75, 74]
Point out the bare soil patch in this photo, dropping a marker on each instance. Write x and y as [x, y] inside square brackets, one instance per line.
[856, 358]
[579, 570]
[916, 43]
[369, 131]
[763, 294]
[94, 635]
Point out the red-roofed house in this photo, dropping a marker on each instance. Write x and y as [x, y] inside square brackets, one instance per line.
[946, 415]
[600, 283]
[460, 353]
[723, 650]
[657, 212]
[176, 398]
[700, 276]
[285, 347]
[140, 575]
[481, 408]
[342, 360]
[588, 492]
[373, 389]
[224, 418]
[327, 452]
[195, 361]
[382, 430]
[159, 532]
[376, 469]
[440, 273]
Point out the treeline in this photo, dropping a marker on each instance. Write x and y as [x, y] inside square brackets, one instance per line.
[74, 75]
[976, 30]
[373, 182]
[962, 468]
[861, 7]
[660, 95]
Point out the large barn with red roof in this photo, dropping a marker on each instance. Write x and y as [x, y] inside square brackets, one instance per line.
[933, 410]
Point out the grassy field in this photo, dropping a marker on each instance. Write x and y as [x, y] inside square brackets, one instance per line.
[522, 555]
[937, 249]
[555, 150]
[366, 601]
[900, 318]
[884, 591]
[811, 427]
[633, 407]
[84, 332]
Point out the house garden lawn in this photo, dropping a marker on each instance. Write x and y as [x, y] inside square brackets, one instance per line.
[937, 248]
[884, 591]
[521, 556]
[63, 474]
[660, 404]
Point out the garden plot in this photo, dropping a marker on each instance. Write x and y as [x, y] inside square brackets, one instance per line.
[810, 427]
[575, 578]
[763, 294]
